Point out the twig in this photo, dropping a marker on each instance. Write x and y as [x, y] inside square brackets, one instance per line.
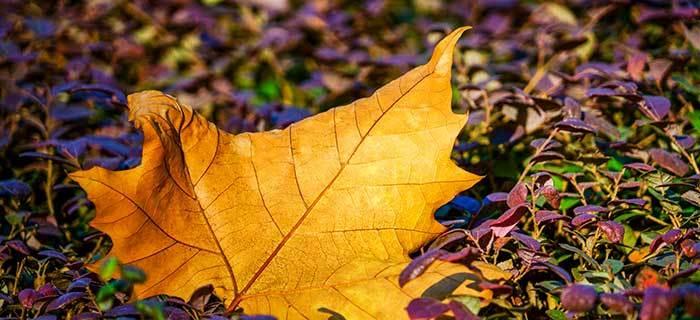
[537, 153]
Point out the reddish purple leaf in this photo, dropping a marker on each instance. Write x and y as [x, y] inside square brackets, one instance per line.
[466, 252]
[544, 216]
[48, 290]
[640, 166]
[583, 219]
[686, 142]
[574, 125]
[552, 144]
[671, 236]
[19, 246]
[690, 248]
[27, 297]
[461, 312]
[532, 257]
[64, 300]
[507, 221]
[612, 230]
[658, 69]
[590, 209]
[658, 303]
[655, 244]
[669, 161]
[517, 195]
[578, 297]
[656, 107]
[528, 241]
[632, 202]
[418, 266]
[618, 303]
[552, 195]
[496, 197]
[635, 65]
[426, 308]
[690, 294]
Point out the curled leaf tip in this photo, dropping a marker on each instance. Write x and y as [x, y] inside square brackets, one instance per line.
[441, 60]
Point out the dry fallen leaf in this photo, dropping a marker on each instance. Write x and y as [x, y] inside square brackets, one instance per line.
[309, 221]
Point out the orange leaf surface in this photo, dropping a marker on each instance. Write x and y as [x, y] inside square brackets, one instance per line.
[304, 222]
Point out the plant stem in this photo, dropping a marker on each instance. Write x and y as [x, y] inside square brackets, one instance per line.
[537, 153]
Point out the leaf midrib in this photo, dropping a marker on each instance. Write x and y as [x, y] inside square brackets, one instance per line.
[240, 295]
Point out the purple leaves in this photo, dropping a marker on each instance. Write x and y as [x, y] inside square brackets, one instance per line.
[612, 230]
[426, 308]
[507, 221]
[528, 241]
[578, 297]
[14, 188]
[583, 219]
[429, 308]
[27, 297]
[635, 65]
[418, 265]
[590, 209]
[643, 167]
[618, 303]
[656, 107]
[64, 300]
[551, 194]
[545, 216]
[658, 303]
[517, 195]
[669, 161]
[574, 125]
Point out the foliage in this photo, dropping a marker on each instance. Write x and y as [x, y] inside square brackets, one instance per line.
[582, 117]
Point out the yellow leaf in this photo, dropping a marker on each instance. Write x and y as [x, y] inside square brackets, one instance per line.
[491, 272]
[307, 221]
[638, 255]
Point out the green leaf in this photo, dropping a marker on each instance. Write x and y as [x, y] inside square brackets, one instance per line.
[269, 90]
[614, 266]
[694, 117]
[133, 274]
[108, 268]
[614, 164]
[472, 303]
[106, 292]
[568, 202]
[556, 314]
[629, 240]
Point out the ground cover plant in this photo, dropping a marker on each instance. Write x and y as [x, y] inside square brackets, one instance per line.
[581, 118]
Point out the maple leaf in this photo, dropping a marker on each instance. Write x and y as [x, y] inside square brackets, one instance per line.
[309, 221]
